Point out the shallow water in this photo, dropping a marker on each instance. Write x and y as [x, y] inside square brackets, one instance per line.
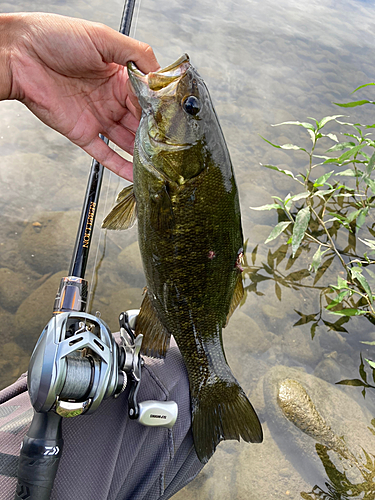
[264, 63]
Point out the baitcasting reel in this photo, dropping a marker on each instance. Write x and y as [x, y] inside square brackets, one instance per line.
[77, 363]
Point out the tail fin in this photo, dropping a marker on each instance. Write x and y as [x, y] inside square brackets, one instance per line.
[222, 411]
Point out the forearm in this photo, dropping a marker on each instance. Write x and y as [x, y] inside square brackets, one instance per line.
[7, 37]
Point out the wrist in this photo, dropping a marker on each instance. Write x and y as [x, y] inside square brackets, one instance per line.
[8, 30]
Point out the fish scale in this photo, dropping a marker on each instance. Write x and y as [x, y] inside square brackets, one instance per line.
[190, 239]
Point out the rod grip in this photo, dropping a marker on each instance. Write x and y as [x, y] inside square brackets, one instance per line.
[39, 457]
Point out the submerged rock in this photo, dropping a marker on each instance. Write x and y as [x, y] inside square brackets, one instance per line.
[13, 362]
[111, 307]
[35, 312]
[14, 288]
[316, 424]
[47, 241]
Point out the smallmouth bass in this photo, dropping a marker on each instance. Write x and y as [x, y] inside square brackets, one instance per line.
[190, 238]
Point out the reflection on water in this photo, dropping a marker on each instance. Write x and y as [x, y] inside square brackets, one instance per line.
[298, 407]
[338, 486]
[264, 62]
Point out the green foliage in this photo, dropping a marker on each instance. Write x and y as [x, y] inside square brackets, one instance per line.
[323, 204]
[339, 198]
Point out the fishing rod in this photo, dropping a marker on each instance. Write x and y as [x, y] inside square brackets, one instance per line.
[76, 362]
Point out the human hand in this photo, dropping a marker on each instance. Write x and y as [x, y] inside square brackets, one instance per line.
[72, 75]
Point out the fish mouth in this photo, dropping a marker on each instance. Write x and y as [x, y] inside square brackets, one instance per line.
[165, 79]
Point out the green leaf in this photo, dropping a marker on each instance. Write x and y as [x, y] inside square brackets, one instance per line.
[357, 274]
[353, 104]
[327, 119]
[371, 363]
[323, 192]
[285, 172]
[277, 230]
[369, 243]
[350, 153]
[361, 219]
[370, 165]
[307, 125]
[368, 343]
[312, 135]
[285, 146]
[317, 259]
[348, 173]
[267, 207]
[349, 312]
[370, 183]
[355, 126]
[340, 146]
[363, 86]
[300, 196]
[340, 297]
[300, 226]
[353, 215]
[333, 137]
[341, 283]
[322, 179]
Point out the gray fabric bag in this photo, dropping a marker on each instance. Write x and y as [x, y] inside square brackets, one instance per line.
[106, 455]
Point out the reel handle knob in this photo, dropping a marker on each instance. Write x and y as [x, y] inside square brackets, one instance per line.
[157, 413]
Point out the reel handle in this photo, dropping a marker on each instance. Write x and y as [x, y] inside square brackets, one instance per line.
[39, 457]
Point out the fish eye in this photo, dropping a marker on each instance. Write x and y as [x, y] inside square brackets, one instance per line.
[191, 105]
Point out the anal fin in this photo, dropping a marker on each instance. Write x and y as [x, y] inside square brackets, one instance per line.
[156, 337]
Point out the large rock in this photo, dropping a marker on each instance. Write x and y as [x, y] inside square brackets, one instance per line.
[339, 411]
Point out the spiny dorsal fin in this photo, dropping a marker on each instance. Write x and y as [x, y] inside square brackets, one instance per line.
[156, 337]
[124, 214]
[236, 298]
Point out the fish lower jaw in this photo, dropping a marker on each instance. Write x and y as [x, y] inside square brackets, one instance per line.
[168, 145]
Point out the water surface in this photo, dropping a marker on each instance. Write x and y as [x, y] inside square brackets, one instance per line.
[264, 63]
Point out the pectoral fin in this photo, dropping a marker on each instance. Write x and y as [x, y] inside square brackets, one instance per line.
[162, 218]
[156, 337]
[124, 214]
[236, 298]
